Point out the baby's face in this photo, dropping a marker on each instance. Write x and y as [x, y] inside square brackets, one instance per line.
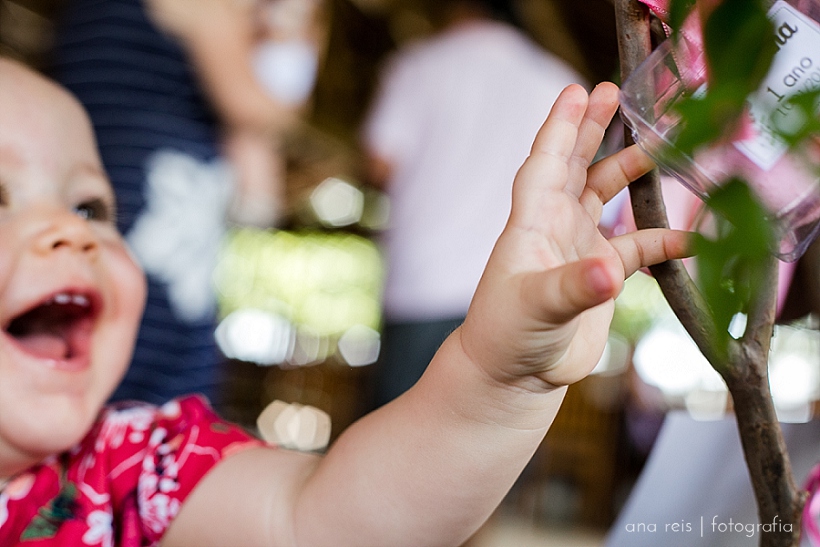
[70, 294]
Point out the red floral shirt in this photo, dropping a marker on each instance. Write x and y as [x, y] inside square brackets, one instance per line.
[124, 483]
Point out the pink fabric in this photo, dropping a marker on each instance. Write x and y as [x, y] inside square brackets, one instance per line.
[811, 513]
[691, 27]
[124, 483]
[658, 7]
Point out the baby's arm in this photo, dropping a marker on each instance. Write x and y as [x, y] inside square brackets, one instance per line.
[431, 466]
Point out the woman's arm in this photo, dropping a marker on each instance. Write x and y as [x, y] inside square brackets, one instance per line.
[219, 36]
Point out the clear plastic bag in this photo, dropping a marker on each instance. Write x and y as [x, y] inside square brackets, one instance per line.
[786, 181]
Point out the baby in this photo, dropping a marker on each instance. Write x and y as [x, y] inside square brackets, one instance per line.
[426, 469]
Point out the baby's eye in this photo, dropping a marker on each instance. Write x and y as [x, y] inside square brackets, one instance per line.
[95, 209]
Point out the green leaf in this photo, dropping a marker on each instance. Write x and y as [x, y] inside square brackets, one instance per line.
[732, 266]
[739, 48]
[736, 203]
[739, 43]
[39, 528]
[50, 517]
[679, 10]
[704, 119]
[798, 120]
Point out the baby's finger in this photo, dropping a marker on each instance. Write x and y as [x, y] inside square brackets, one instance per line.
[563, 121]
[611, 175]
[652, 246]
[558, 295]
[603, 103]
[547, 167]
[556, 139]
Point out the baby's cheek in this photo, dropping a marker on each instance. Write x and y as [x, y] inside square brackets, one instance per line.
[127, 280]
[5, 264]
[126, 289]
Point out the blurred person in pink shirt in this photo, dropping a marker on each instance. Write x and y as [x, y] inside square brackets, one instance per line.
[442, 137]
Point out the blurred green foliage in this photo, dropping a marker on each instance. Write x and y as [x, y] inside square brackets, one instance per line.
[324, 281]
[640, 305]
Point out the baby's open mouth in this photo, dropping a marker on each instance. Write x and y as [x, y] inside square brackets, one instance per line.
[59, 328]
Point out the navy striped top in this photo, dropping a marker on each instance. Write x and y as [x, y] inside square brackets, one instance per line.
[142, 95]
[138, 88]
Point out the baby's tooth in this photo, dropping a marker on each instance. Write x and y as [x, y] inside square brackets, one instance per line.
[80, 300]
[62, 298]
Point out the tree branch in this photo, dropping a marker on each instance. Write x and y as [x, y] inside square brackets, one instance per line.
[744, 366]
[634, 44]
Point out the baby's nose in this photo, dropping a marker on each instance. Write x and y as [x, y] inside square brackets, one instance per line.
[65, 229]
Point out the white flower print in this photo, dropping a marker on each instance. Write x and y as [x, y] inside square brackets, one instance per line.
[157, 480]
[177, 236]
[17, 489]
[171, 409]
[4, 508]
[158, 511]
[116, 424]
[93, 496]
[100, 530]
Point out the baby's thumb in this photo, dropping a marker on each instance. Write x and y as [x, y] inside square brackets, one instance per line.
[560, 294]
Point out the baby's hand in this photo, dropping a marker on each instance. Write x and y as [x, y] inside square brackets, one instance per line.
[543, 307]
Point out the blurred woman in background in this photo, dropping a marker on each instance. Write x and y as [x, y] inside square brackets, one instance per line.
[173, 87]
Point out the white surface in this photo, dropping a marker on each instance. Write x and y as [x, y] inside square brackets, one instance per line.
[696, 471]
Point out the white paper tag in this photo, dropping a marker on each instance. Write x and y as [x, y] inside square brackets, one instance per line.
[795, 69]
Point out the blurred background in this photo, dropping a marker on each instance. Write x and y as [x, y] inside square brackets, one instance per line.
[300, 309]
